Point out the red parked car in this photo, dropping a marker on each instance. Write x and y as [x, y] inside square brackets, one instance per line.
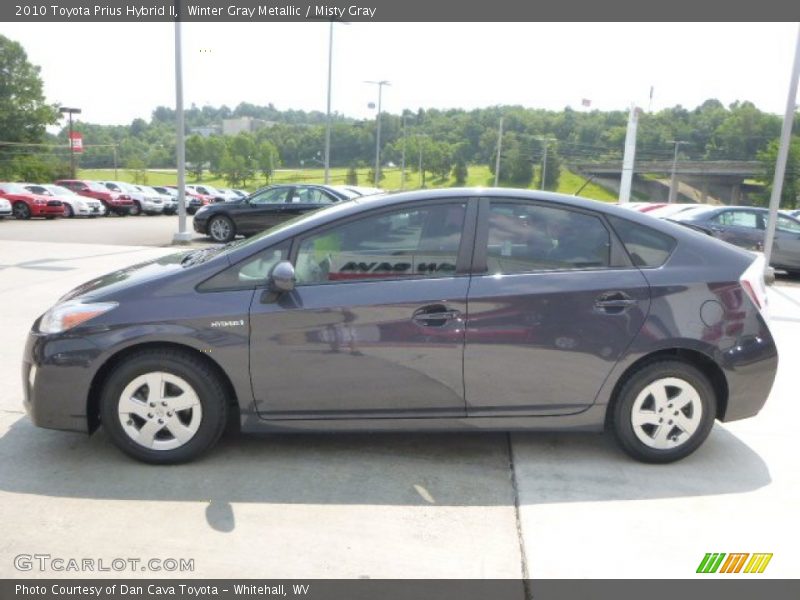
[25, 204]
[120, 204]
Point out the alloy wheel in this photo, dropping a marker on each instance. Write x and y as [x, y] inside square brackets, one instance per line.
[160, 411]
[220, 230]
[666, 413]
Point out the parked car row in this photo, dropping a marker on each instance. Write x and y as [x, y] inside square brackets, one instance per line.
[743, 226]
[87, 198]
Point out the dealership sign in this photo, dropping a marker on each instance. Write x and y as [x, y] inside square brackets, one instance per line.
[76, 141]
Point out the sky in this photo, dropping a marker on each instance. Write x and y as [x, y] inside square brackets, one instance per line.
[116, 72]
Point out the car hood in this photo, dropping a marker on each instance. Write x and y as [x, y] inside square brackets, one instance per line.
[110, 284]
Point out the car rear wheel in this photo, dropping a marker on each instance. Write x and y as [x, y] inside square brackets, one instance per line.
[163, 407]
[664, 411]
[21, 210]
[221, 229]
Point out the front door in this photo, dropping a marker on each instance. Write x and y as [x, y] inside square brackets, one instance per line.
[375, 325]
[262, 210]
[552, 313]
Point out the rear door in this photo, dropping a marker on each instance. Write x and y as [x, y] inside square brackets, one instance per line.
[553, 303]
[302, 199]
[741, 227]
[786, 248]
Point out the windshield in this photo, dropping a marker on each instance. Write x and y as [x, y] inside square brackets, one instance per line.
[96, 187]
[346, 192]
[59, 190]
[13, 188]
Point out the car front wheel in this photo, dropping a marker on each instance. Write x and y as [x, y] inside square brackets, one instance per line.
[664, 411]
[221, 229]
[163, 407]
[21, 211]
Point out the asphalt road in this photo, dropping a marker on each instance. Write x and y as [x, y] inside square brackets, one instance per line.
[380, 506]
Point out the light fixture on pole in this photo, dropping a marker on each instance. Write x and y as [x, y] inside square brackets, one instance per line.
[70, 111]
[380, 85]
[328, 114]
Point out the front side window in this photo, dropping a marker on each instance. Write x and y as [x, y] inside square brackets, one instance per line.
[528, 237]
[407, 243]
[788, 225]
[273, 196]
[737, 218]
[310, 196]
[249, 273]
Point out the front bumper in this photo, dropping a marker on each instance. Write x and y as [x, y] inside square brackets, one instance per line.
[149, 206]
[43, 210]
[199, 223]
[56, 377]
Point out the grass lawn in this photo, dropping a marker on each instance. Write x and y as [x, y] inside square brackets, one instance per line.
[478, 176]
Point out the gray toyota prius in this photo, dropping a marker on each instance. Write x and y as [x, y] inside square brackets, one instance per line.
[460, 309]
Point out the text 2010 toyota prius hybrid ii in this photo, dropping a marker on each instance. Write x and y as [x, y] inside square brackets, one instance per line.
[432, 310]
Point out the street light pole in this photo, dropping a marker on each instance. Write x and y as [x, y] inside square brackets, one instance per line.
[70, 112]
[380, 85]
[182, 235]
[497, 159]
[783, 153]
[673, 182]
[328, 117]
[544, 159]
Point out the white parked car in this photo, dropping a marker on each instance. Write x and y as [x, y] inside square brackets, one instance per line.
[169, 201]
[207, 190]
[5, 208]
[147, 203]
[75, 205]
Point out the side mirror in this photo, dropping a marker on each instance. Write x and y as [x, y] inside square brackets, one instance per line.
[282, 278]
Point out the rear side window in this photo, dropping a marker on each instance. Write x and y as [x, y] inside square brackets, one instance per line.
[647, 247]
[525, 238]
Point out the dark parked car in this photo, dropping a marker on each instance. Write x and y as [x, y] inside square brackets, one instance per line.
[746, 226]
[265, 208]
[432, 310]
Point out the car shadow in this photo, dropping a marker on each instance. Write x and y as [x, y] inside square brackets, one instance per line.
[449, 469]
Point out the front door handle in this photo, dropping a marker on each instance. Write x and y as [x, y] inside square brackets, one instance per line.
[435, 315]
[613, 302]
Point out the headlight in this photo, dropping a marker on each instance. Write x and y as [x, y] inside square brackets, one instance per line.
[67, 315]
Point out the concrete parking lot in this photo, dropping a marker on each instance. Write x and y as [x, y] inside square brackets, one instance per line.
[378, 505]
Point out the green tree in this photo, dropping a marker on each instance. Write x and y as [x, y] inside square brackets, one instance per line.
[460, 172]
[196, 155]
[139, 168]
[215, 153]
[24, 114]
[790, 192]
[352, 176]
[267, 158]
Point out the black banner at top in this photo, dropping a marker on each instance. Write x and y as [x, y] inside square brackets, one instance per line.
[395, 10]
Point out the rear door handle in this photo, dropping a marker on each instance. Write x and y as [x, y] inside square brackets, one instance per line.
[614, 302]
[435, 315]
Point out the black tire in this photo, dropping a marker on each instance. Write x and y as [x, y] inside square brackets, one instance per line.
[136, 209]
[68, 212]
[221, 229]
[21, 211]
[205, 383]
[623, 411]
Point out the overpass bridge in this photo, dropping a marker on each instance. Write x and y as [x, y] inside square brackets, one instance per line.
[720, 179]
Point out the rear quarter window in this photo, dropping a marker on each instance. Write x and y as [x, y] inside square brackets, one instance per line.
[646, 247]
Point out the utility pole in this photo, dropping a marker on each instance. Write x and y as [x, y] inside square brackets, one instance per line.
[629, 157]
[403, 156]
[544, 159]
[499, 149]
[783, 153]
[182, 235]
[380, 85]
[70, 112]
[673, 182]
[421, 171]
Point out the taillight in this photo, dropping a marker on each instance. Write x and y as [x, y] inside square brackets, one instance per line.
[754, 285]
